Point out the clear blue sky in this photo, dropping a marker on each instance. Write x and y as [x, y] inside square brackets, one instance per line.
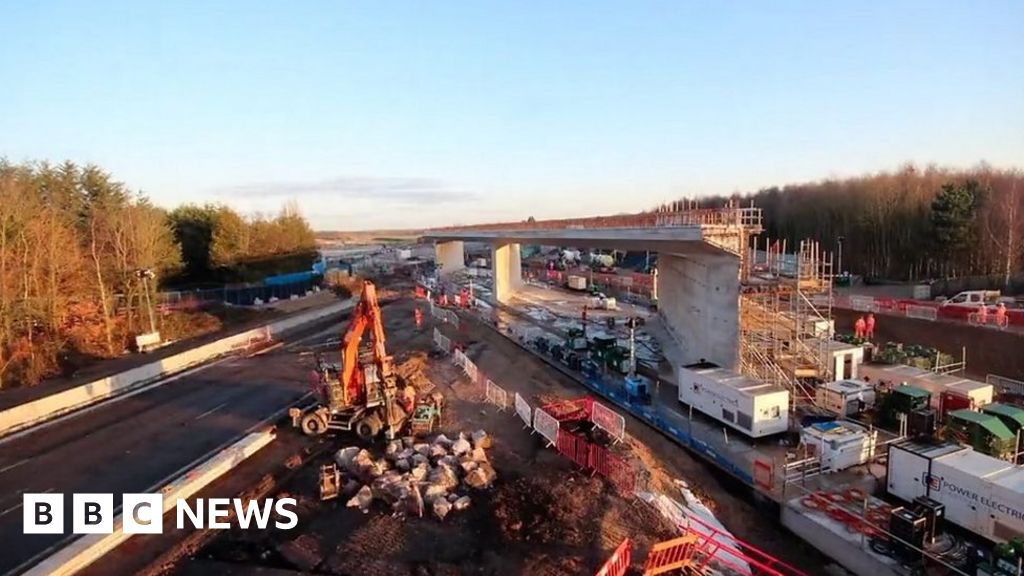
[379, 114]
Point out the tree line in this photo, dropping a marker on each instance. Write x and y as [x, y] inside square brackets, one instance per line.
[909, 224]
[80, 251]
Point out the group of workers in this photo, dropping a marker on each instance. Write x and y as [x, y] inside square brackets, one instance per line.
[864, 328]
[999, 315]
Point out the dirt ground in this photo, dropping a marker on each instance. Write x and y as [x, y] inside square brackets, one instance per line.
[989, 351]
[541, 517]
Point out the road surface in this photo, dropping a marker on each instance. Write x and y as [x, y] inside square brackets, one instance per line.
[134, 444]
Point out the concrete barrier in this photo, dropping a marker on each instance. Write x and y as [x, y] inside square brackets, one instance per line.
[46, 408]
[87, 549]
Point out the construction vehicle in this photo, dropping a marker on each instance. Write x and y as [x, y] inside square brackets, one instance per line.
[363, 393]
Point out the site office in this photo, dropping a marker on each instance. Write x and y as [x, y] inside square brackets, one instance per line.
[144, 513]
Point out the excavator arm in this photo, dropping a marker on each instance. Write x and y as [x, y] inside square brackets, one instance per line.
[366, 316]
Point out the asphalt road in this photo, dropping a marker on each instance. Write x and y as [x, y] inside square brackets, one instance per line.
[132, 444]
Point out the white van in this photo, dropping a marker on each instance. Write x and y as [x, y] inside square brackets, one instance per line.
[974, 298]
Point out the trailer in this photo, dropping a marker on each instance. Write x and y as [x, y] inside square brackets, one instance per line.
[750, 406]
[846, 397]
[948, 392]
[983, 495]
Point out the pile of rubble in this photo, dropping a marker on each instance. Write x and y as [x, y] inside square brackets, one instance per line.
[414, 477]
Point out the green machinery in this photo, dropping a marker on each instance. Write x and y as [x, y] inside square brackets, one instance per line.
[910, 401]
[606, 352]
[985, 433]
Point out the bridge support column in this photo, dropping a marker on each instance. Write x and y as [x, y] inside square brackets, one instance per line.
[506, 264]
[698, 297]
[450, 256]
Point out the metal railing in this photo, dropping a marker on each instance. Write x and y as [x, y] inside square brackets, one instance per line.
[747, 218]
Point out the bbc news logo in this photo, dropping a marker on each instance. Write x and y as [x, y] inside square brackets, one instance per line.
[144, 513]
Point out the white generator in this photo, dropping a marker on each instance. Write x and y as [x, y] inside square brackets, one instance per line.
[753, 407]
[844, 397]
[982, 494]
[840, 445]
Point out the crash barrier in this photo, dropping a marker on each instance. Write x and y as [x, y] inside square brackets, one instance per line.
[863, 304]
[496, 395]
[546, 425]
[458, 357]
[84, 551]
[1005, 385]
[618, 563]
[523, 410]
[48, 407]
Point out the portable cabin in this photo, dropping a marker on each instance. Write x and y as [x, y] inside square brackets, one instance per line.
[750, 406]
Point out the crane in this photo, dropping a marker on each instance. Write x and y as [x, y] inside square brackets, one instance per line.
[363, 393]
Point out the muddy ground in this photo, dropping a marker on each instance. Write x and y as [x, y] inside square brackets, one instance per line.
[541, 517]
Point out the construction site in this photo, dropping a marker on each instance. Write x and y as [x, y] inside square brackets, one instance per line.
[478, 407]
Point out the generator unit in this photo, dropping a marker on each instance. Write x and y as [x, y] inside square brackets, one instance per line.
[983, 432]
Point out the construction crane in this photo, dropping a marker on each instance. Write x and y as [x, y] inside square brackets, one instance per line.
[363, 393]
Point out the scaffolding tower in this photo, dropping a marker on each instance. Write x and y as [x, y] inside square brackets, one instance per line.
[786, 318]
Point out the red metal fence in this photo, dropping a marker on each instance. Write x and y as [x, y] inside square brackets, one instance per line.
[618, 563]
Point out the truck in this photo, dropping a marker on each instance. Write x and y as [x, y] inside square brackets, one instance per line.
[740, 402]
[982, 494]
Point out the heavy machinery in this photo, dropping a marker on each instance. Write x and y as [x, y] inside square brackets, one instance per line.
[363, 393]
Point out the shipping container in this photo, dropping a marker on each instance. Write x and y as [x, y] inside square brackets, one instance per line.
[982, 494]
[753, 407]
[844, 397]
[840, 445]
[976, 393]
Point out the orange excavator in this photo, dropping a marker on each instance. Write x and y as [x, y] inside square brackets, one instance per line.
[363, 393]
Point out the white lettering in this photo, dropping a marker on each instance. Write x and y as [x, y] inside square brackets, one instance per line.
[218, 508]
[281, 507]
[245, 514]
[196, 517]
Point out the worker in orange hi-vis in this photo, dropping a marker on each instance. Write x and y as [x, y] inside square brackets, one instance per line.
[859, 327]
[869, 326]
[983, 315]
[1001, 315]
[419, 318]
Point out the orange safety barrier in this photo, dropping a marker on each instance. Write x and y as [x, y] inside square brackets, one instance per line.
[711, 540]
[672, 555]
[619, 562]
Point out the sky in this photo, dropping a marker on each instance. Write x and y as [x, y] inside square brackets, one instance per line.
[411, 114]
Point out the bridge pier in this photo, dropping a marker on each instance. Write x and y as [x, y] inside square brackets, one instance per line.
[698, 296]
[507, 268]
[450, 256]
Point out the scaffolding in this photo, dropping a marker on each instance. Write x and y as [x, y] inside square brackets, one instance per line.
[786, 318]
